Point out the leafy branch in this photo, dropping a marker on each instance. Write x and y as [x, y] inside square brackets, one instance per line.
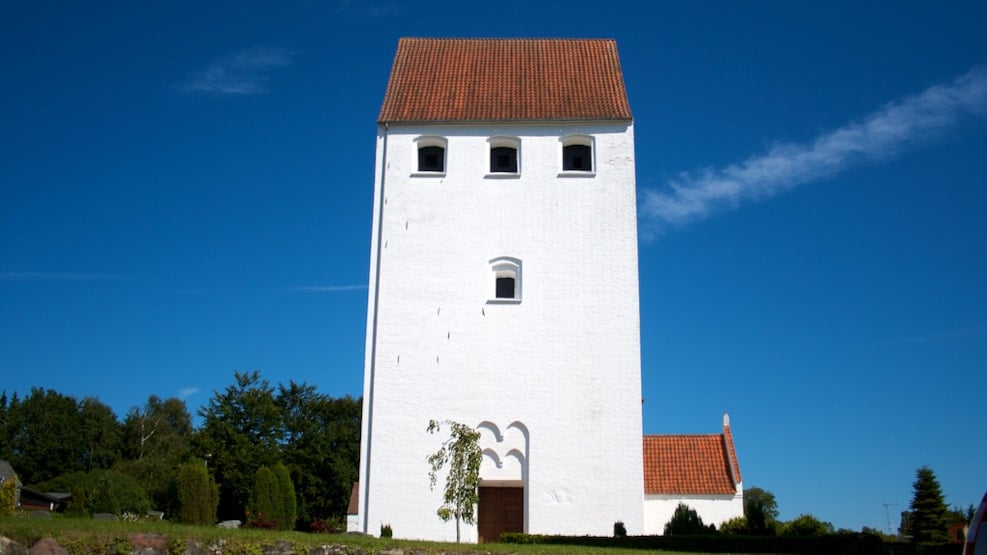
[461, 452]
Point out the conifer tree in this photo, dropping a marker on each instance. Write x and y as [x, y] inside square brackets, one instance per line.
[198, 494]
[265, 502]
[286, 497]
[685, 522]
[928, 519]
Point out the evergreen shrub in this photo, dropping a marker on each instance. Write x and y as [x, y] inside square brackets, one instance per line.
[198, 494]
[8, 497]
[619, 530]
[286, 497]
[685, 522]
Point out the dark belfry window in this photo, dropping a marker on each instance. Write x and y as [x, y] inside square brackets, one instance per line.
[503, 159]
[576, 158]
[505, 288]
[431, 159]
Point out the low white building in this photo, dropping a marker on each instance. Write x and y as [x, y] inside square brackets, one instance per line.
[504, 289]
[699, 470]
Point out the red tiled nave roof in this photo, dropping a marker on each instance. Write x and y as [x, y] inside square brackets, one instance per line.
[691, 464]
[676, 465]
[467, 80]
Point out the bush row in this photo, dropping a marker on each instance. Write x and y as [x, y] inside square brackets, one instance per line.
[833, 544]
[908, 548]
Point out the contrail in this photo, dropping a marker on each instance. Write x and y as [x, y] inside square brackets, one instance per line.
[329, 288]
[59, 276]
[881, 135]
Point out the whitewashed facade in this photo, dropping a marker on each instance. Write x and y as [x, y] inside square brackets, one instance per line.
[548, 369]
[551, 380]
[713, 509]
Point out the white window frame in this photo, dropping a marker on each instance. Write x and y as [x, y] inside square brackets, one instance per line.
[504, 142]
[580, 140]
[503, 267]
[427, 141]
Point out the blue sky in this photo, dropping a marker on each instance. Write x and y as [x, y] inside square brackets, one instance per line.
[186, 189]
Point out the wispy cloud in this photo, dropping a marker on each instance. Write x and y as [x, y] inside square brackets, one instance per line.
[948, 335]
[186, 392]
[199, 291]
[328, 288]
[59, 276]
[246, 72]
[881, 135]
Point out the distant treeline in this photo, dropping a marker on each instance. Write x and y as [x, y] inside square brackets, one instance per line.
[48, 437]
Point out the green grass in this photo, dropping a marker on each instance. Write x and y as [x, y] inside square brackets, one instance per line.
[102, 536]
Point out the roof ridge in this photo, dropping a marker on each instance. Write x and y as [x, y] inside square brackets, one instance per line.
[465, 39]
[731, 450]
[684, 435]
[684, 464]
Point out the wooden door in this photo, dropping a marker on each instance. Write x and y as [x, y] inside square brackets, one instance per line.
[500, 510]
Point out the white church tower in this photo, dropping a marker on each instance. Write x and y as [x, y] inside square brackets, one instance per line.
[504, 289]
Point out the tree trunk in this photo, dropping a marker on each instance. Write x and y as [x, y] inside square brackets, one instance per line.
[457, 525]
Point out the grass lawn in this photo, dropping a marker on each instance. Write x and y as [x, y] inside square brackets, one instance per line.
[102, 536]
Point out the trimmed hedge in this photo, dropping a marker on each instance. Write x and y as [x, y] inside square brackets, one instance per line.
[832, 544]
[908, 548]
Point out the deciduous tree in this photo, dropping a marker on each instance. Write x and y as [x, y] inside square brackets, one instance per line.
[100, 434]
[761, 511]
[461, 452]
[736, 526]
[161, 428]
[50, 434]
[241, 431]
[806, 525]
[321, 449]
[156, 441]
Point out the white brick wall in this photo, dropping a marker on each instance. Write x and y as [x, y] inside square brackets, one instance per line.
[564, 363]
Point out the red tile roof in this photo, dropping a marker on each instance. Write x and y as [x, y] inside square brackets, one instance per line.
[691, 464]
[469, 80]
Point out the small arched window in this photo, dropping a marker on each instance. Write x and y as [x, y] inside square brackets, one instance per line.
[577, 153]
[431, 159]
[504, 153]
[505, 273]
[577, 158]
[431, 154]
[503, 159]
[506, 287]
